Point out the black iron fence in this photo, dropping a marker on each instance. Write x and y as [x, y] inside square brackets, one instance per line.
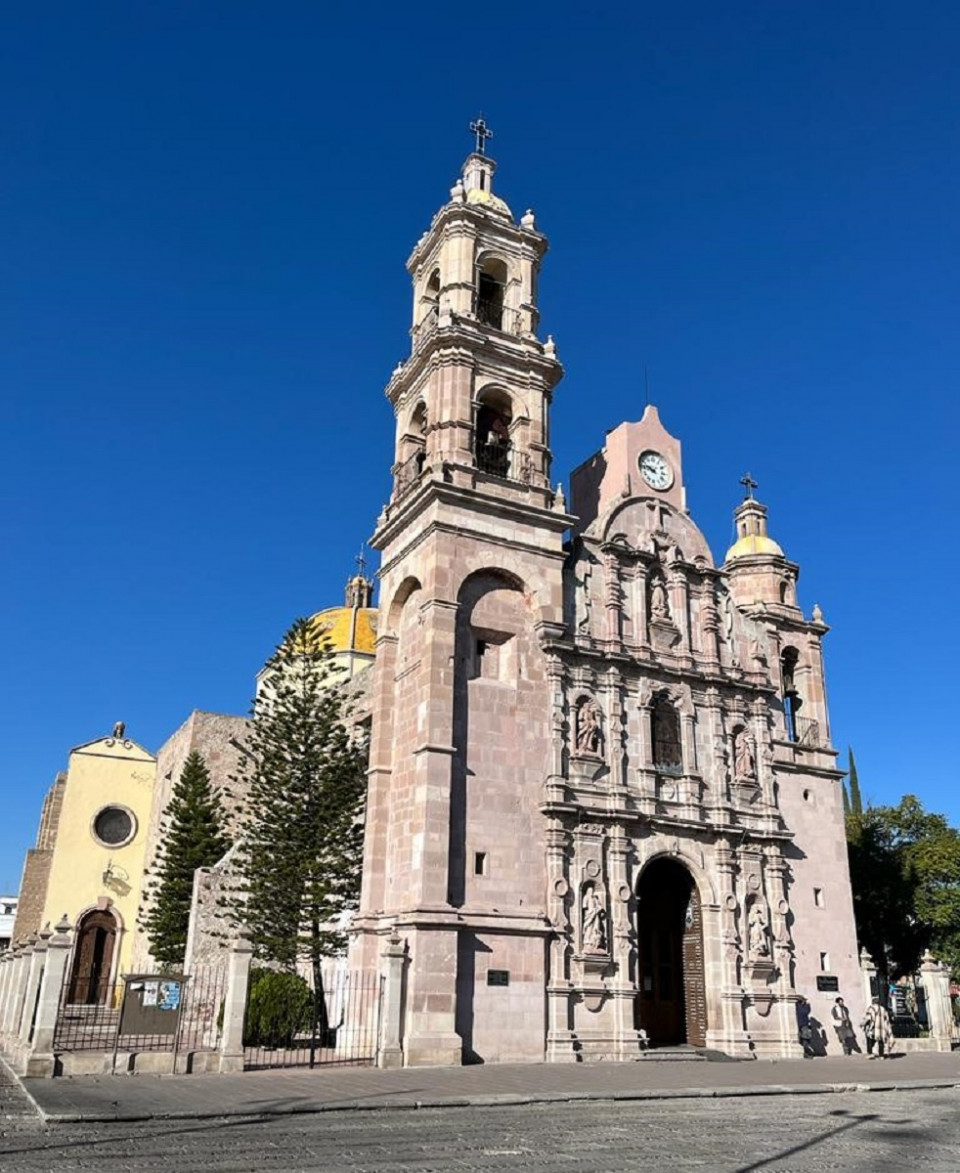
[340, 1027]
[141, 1012]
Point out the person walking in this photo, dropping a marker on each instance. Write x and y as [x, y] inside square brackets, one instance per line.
[877, 1022]
[805, 1029]
[843, 1026]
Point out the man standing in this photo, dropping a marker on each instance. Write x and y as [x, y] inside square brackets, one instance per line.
[877, 1022]
[843, 1026]
[806, 1030]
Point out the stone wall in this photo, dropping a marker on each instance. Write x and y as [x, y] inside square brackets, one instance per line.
[36, 867]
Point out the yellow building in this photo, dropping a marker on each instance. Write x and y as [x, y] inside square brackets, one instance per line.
[89, 859]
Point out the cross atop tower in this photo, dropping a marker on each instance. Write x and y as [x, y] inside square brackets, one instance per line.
[749, 484]
[483, 132]
[361, 562]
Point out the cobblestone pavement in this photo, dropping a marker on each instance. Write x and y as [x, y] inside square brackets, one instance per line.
[879, 1132]
[16, 1111]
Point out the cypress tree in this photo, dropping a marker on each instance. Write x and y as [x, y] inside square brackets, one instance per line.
[299, 851]
[855, 801]
[193, 837]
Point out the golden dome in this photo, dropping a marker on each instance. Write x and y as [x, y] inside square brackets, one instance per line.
[348, 629]
[751, 544]
[479, 195]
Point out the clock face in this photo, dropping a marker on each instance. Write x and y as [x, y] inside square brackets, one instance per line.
[655, 470]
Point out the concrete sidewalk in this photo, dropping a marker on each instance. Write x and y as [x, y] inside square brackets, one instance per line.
[267, 1093]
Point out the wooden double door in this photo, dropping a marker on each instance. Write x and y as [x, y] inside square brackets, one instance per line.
[92, 959]
[671, 999]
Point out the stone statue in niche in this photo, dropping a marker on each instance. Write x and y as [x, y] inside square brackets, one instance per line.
[659, 605]
[594, 924]
[744, 756]
[589, 731]
[728, 632]
[758, 932]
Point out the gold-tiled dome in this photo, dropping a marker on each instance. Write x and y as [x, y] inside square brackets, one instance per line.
[347, 629]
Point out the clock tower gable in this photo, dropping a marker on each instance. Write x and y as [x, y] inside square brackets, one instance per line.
[637, 460]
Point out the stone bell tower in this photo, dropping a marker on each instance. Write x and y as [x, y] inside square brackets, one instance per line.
[471, 590]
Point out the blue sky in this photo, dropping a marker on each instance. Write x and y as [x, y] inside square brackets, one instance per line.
[204, 214]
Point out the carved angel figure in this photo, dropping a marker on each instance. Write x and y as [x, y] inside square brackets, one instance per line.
[589, 734]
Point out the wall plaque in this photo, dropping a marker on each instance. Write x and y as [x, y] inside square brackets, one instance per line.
[827, 983]
[498, 977]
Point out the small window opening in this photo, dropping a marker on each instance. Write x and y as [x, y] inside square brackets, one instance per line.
[480, 863]
[824, 962]
[818, 897]
[483, 180]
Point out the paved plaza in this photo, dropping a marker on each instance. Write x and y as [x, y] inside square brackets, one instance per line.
[879, 1132]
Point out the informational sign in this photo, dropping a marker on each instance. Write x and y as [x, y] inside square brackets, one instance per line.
[828, 983]
[498, 977]
[151, 1004]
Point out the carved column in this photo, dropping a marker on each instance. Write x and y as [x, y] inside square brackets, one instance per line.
[560, 729]
[711, 626]
[623, 943]
[560, 1037]
[612, 598]
[680, 605]
[613, 734]
[234, 1006]
[392, 960]
[645, 773]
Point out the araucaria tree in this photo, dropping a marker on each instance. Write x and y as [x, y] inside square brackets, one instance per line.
[304, 774]
[193, 837]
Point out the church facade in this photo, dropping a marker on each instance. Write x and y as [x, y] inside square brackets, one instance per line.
[604, 810]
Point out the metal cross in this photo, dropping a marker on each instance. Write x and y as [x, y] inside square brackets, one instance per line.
[483, 132]
[749, 484]
[361, 563]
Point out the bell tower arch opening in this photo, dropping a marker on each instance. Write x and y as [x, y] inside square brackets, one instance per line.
[671, 1000]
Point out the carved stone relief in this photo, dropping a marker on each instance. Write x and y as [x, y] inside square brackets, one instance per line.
[593, 931]
[588, 728]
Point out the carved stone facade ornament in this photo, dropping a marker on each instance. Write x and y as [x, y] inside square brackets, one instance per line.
[589, 728]
[555, 715]
[593, 933]
[758, 931]
[744, 756]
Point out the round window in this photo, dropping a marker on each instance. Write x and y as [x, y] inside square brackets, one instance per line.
[114, 826]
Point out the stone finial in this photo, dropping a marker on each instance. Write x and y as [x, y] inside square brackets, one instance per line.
[457, 194]
[46, 932]
[559, 500]
[528, 220]
[817, 613]
[550, 347]
[61, 933]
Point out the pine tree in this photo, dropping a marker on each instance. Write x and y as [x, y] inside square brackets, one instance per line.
[304, 773]
[193, 838]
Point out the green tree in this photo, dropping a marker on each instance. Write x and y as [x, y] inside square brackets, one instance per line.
[192, 837]
[304, 773]
[905, 875]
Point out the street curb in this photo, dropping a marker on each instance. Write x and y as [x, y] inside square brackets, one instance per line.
[507, 1099]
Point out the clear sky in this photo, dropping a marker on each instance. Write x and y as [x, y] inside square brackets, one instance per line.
[204, 213]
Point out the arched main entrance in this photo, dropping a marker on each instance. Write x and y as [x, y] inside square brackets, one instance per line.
[671, 1000]
[92, 958]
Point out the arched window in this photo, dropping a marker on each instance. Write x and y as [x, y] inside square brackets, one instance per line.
[492, 437]
[667, 750]
[491, 283]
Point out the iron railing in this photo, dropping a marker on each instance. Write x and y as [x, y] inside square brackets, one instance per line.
[98, 1025]
[494, 458]
[408, 473]
[346, 1031]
